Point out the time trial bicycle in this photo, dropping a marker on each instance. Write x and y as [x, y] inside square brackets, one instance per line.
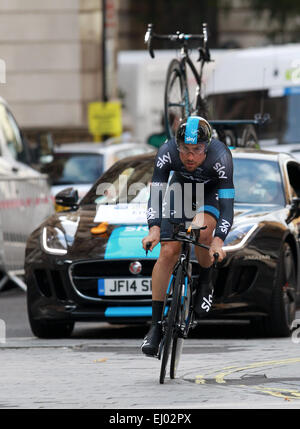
[178, 311]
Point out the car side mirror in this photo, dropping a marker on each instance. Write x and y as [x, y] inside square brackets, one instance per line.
[67, 197]
[294, 210]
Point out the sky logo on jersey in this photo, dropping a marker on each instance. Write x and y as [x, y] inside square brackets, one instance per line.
[163, 160]
[220, 169]
[225, 226]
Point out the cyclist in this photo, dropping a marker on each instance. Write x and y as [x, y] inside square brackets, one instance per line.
[192, 157]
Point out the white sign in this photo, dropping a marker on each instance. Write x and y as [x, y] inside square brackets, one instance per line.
[2, 331]
[127, 214]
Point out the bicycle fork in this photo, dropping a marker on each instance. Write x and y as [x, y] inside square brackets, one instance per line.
[185, 315]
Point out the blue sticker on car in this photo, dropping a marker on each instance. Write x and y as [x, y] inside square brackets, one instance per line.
[101, 287]
[145, 311]
[125, 242]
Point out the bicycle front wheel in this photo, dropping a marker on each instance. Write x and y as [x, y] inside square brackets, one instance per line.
[176, 98]
[170, 323]
[182, 322]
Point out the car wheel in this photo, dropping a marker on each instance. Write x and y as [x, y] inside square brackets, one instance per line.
[48, 328]
[283, 302]
[43, 329]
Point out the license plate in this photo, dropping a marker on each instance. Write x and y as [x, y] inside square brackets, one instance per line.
[129, 286]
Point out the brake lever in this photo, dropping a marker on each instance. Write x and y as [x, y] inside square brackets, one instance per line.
[216, 257]
[148, 245]
[148, 40]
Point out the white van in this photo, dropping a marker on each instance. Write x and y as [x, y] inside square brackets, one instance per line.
[243, 82]
[25, 198]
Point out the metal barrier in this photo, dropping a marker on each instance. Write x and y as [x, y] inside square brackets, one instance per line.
[25, 202]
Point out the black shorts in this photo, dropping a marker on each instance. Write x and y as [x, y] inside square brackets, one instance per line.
[193, 200]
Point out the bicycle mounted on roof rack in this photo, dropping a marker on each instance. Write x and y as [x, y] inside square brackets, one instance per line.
[177, 99]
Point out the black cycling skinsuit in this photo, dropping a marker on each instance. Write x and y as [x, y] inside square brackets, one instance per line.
[216, 173]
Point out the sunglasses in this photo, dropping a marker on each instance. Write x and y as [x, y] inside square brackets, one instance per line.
[194, 151]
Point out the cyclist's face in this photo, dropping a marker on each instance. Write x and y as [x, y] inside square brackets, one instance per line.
[192, 155]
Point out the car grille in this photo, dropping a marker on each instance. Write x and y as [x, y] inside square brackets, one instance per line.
[85, 275]
[51, 283]
[232, 281]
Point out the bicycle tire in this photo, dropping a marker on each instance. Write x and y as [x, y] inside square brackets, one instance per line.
[183, 316]
[175, 108]
[170, 324]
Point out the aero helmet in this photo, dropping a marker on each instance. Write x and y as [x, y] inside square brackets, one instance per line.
[194, 130]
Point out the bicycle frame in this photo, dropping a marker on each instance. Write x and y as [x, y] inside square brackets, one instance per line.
[185, 59]
[183, 260]
[184, 257]
[204, 56]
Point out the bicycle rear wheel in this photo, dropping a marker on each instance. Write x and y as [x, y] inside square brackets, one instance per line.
[170, 323]
[249, 137]
[176, 98]
[182, 322]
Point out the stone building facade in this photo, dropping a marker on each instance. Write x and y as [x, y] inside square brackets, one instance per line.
[53, 58]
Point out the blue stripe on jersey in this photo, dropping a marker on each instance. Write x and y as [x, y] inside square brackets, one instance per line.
[209, 209]
[226, 193]
[191, 130]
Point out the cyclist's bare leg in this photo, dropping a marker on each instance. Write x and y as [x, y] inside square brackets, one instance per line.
[160, 278]
[206, 237]
[163, 269]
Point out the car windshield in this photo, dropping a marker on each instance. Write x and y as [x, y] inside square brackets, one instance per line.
[256, 182]
[74, 168]
[128, 181]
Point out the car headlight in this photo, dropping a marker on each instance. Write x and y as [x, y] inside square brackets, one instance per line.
[238, 236]
[53, 241]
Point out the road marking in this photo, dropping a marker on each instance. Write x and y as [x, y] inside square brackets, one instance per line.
[200, 379]
[286, 394]
[220, 377]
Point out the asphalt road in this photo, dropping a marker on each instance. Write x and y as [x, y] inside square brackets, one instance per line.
[101, 368]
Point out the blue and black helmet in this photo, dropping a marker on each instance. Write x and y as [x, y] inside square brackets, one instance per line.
[194, 130]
